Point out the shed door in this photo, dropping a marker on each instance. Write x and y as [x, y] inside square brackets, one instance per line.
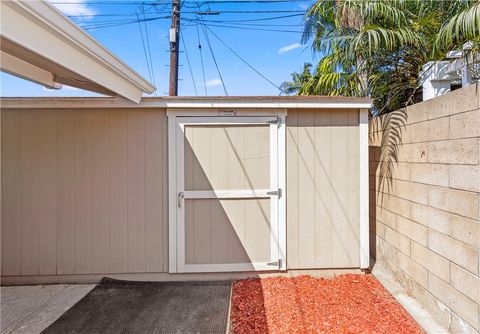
[227, 194]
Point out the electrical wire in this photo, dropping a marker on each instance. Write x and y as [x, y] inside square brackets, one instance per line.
[148, 46]
[217, 12]
[201, 60]
[246, 24]
[261, 19]
[250, 28]
[120, 23]
[214, 59]
[188, 61]
[115, 23]
[244, 61]
[145, 50]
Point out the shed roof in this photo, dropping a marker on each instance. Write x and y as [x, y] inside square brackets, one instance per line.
[40, 44]
[176, 102]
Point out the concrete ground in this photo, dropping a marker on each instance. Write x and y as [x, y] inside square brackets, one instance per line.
[416, 310]
[31, 308]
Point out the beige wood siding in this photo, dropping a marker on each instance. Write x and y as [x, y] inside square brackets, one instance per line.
[84, 191]
[227, 157]
[322, 189]
[227, 231]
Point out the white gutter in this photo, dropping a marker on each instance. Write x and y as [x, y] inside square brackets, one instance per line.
[42, 29]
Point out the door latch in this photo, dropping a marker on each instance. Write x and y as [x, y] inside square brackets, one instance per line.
[180, 199]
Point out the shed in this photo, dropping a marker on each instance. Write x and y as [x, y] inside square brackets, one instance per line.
[182, 187]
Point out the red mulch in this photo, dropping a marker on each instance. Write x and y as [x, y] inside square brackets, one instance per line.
[304, 304]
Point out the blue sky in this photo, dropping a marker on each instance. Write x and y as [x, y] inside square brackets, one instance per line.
[273, 53]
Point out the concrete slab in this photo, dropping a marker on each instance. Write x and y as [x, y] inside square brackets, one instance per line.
[17, 302]
[30, 309]
[416, 310]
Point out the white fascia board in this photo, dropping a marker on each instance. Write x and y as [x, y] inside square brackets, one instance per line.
[293, 105]
[27, 71]
[364, 191]
[39, 27]
[185, 103]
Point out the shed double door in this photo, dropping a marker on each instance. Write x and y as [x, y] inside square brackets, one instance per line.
[227, 194]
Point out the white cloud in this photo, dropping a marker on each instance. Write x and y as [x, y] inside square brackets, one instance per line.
[213, 82]
[74, 8]
[288, 48]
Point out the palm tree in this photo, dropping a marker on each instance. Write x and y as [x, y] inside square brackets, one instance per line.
[377, 47]
[298, 80]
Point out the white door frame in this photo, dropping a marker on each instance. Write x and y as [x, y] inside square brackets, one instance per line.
[277, 178]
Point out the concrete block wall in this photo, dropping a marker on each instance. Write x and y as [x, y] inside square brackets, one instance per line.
[425, 199]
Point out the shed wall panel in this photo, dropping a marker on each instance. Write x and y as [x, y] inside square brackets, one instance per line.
[322, 189]
[29, 192]
[47, 193]
[83, 191]
[65, 211]
[118, 191]
[11, 208]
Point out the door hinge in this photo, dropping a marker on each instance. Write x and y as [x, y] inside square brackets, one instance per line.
[277, 121]
[275, 192]
[274, 121]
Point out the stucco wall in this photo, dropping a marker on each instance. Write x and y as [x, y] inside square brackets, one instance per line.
[424, 203]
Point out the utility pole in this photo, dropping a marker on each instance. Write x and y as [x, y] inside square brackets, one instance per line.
[174, 45]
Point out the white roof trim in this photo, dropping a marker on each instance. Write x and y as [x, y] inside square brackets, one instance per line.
[191, 103]
[39, 27]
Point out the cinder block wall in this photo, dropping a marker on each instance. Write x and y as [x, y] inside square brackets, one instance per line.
[425, 198]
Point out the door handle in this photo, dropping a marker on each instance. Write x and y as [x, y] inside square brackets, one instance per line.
[180, 198]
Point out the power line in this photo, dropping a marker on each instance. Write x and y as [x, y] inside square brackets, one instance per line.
[243, 60]
[148, 46]
[214, 59]
[145, 50]
[250, 28]
[120, 23]
[115, 23]
[201, 61]
[188, 61]
[241, 24]
[217, 12]
[262, 19]
[208, 12]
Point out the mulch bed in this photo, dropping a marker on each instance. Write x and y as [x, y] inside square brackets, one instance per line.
[304, 304]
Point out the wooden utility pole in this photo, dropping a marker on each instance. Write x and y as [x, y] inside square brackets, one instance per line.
[174, 39]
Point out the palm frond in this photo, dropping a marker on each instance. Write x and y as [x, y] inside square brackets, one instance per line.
[461, 27]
